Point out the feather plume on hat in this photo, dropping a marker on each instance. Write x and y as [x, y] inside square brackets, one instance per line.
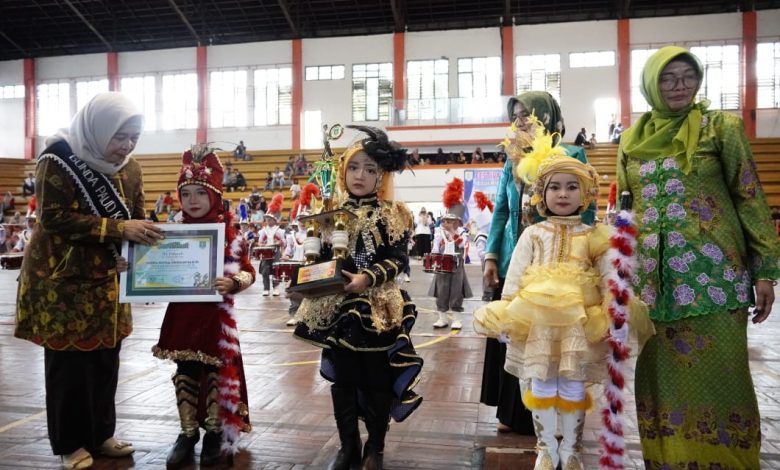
[483, 201]
[453, 200]
[536, 150]
[309, 190]
[388, 154]
[275, 207]
[276, 203]
[294, 211]
[612, 200]
[453, 193]
[302, 205]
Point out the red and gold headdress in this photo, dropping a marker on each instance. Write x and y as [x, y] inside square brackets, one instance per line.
[200, 165]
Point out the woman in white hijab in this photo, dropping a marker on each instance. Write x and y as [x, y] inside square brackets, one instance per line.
[90, 198]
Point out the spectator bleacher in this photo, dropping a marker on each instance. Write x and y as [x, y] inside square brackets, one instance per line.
[161, 172]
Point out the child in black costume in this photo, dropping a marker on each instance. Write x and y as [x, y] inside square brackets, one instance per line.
[365, 331]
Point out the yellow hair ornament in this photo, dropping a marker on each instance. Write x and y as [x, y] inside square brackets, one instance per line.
[542, 147]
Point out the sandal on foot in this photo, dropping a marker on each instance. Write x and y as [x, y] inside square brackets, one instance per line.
[113, 448]
[503, 428]
[79, 459]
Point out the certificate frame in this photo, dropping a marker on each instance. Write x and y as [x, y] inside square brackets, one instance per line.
[164, 272]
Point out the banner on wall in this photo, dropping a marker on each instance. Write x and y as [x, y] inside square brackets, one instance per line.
[485, 180]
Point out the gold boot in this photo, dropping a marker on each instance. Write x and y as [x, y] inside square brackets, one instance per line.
[211, 452]
[187, 403]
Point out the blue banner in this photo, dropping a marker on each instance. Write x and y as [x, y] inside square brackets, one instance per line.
[485, 180]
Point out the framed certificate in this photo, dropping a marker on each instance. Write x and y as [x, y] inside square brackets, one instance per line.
[180, 268]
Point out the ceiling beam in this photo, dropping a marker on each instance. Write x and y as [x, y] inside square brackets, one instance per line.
[185, 21]
[286, 10]
[623, 7]
[17, 46]
[89, 25]
[398, 17]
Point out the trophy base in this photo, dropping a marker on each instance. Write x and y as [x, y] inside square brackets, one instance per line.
[319, 279]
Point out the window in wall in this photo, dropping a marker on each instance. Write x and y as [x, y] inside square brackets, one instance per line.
[180, 101]
[87, 89]
[312, 129]
[539, 72]
[325, 72]
[592, 59]
[227, 102]
[273, 96]
[605, 110]
[53, 107]
[768, 74]
[479, 77]
[11, 91]
[140, 90]
[372, 91]
[427, 83]
[638, 60]
[721, 75]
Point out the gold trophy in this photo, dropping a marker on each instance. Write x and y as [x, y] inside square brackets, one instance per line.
[316, 279]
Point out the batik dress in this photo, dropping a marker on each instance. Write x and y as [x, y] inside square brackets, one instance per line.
[704, 238]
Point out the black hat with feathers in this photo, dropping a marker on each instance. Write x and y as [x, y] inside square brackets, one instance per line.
[388, 154]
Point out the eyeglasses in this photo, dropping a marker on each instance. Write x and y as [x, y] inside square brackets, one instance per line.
[669, 82]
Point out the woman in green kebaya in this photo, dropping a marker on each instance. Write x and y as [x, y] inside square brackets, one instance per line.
[707, 251]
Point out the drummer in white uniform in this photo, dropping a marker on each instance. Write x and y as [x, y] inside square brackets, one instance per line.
[294, 252]
[271, 235]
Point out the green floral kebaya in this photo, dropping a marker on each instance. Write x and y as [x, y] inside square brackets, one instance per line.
[705, 235]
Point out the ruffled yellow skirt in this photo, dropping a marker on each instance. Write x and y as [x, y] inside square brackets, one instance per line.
[555, 324]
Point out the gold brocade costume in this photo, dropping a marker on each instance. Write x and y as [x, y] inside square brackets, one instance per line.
[380, 318]
[392, 219]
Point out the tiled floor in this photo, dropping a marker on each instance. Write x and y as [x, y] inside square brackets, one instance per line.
[290, 404]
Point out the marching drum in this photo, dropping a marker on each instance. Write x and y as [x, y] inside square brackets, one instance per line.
[439, 263]
[11, 260]
[264, 252]
[428, 261]
[285, 270]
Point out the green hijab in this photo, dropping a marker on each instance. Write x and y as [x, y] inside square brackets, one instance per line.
[662, 131]
[544, 106]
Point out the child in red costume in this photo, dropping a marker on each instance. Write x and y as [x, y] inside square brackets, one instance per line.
[202, 337]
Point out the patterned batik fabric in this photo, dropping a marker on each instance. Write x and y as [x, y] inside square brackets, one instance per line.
[696, 406]
[706, 235]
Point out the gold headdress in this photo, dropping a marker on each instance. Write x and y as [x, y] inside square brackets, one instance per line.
[586, 175]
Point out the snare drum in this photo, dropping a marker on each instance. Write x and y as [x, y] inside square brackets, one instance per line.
[439, 263]
[429, 260]
[449, 263]
[264, 252]
[11, 260]
[284, 270]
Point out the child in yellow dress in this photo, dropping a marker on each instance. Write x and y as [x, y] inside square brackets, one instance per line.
[551, 307]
